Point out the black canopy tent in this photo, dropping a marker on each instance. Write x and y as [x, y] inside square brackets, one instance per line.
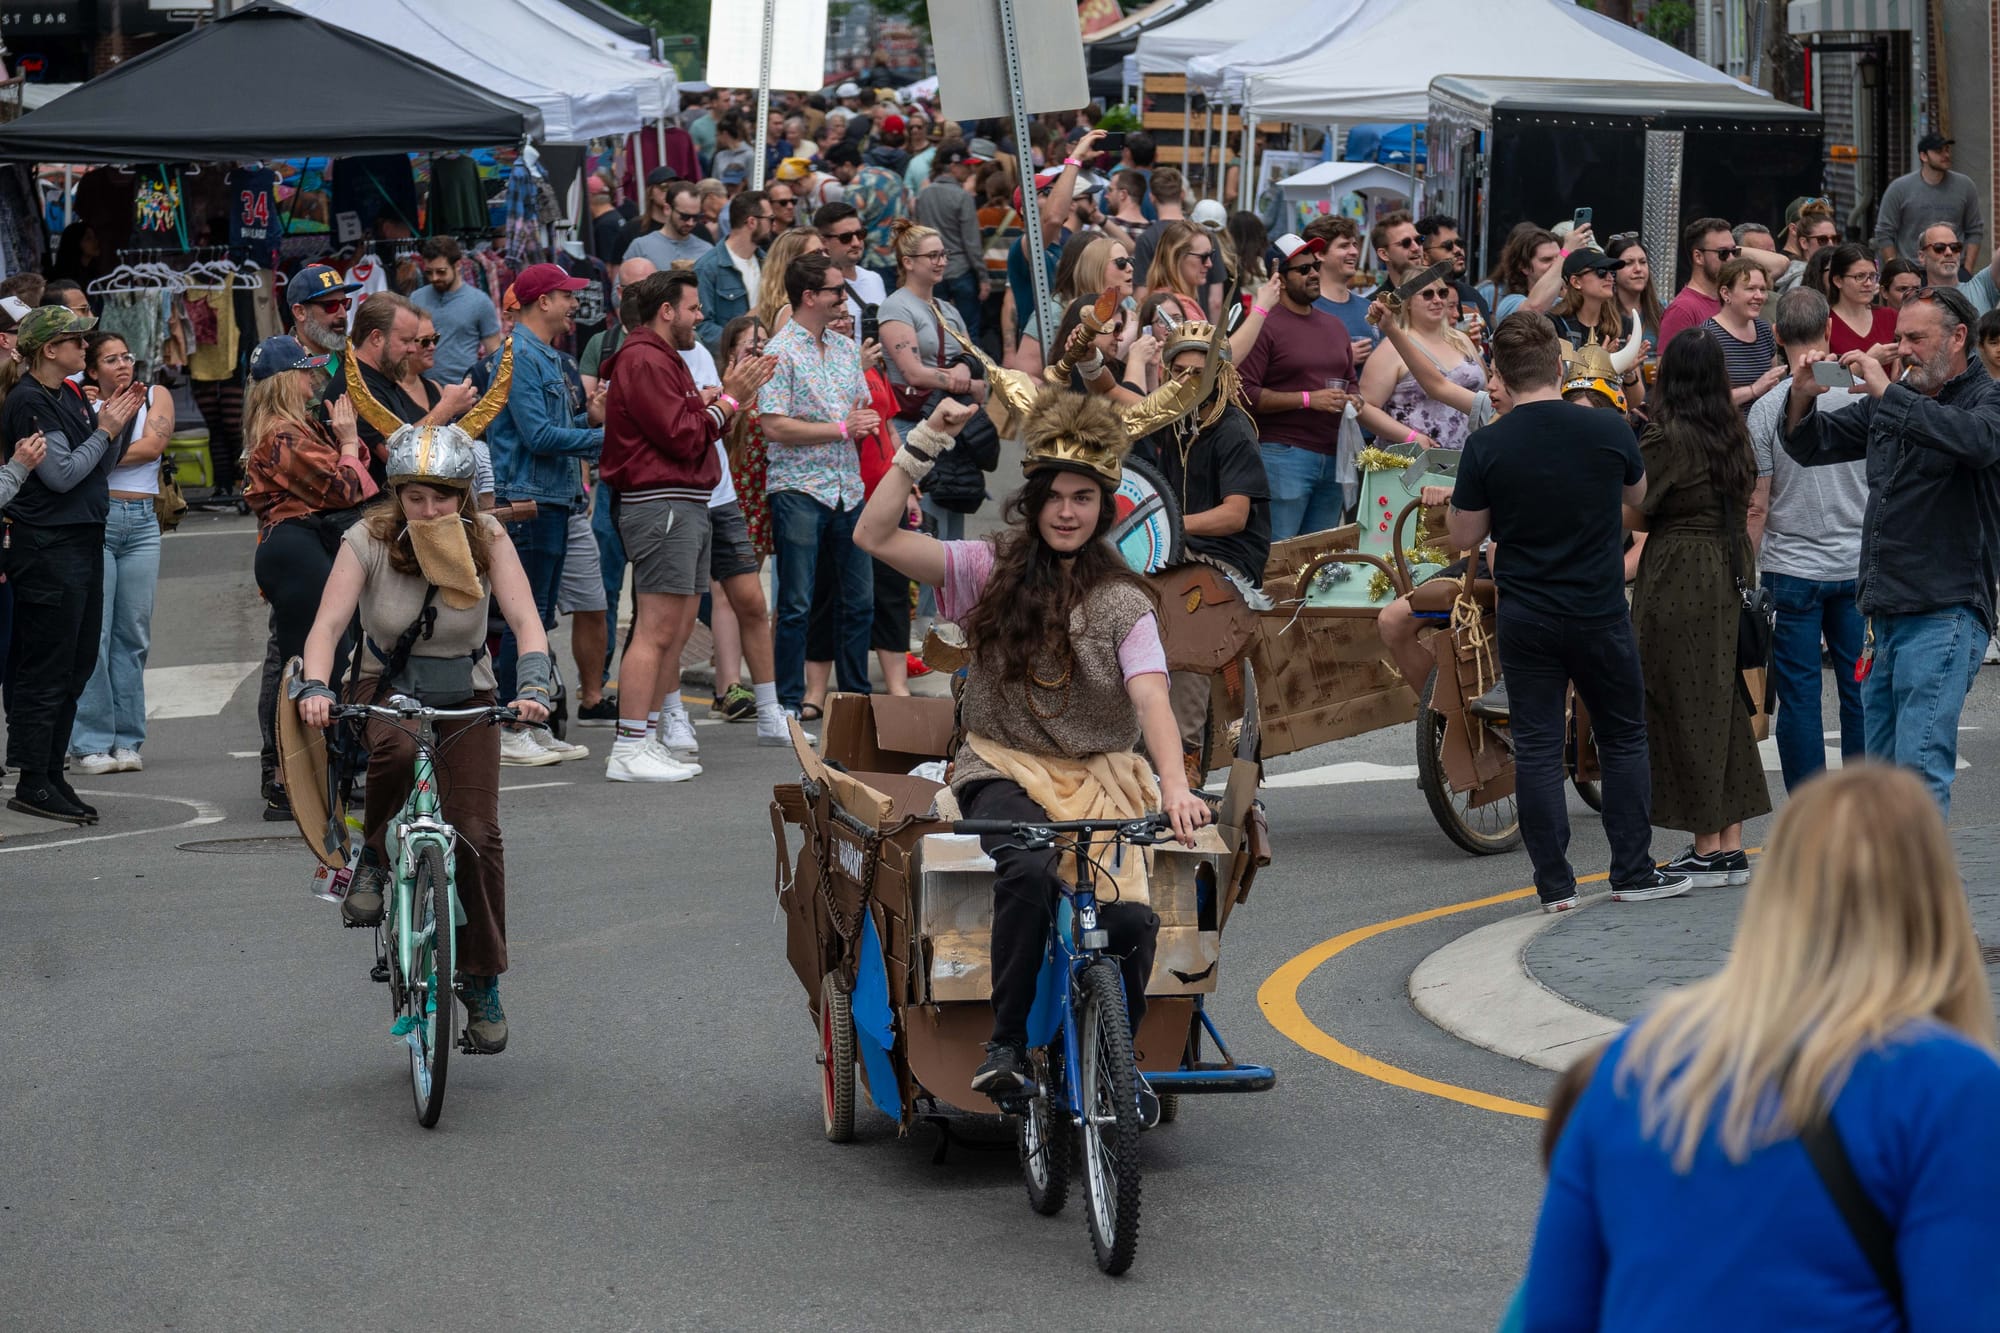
[604, 16]
[266, 81]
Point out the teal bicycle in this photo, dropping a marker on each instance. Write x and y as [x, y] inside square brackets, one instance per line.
[412, 953]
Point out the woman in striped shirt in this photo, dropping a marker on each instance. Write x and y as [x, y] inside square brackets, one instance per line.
[1748, 348]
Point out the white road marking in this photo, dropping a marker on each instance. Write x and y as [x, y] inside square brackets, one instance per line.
[1329, 775]
[1768, 748]
[536, 786]
[204, 813]
[201, 690]
[246, 754]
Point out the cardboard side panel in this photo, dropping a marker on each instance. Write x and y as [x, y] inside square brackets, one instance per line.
[947, 1042]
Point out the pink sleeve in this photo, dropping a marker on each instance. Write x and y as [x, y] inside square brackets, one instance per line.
[1141, 652]
[361, 473]
[967, 566]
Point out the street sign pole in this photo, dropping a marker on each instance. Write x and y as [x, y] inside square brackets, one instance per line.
[1031, 200]
[764, 97]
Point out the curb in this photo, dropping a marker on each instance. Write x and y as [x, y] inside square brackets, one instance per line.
[1478, 988]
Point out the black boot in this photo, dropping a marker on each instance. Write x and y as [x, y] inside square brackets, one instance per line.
[61, 784]
[36, 795]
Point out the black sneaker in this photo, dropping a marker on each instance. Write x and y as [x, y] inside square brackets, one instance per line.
[1493, 705]
[61, 784]
[1567, 902]
[363, 904]
[1655, 883]
[277, 806]
[36, 795]
[1736, 863]
[1708, 872]
[1004, 1073]
[603, 713]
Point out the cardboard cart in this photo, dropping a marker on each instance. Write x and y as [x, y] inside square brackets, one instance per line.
[888, 917]
[1322, 671]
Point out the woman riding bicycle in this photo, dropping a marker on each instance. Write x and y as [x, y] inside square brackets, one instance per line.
[421, 567]
[1067, 673]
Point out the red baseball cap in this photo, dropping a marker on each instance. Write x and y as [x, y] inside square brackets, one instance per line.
[538, 280]
[1045, 180]
[892, 125]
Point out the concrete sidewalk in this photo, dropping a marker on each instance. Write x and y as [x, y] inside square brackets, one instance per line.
[1545, 988]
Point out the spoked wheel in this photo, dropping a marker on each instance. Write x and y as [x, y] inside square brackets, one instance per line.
[427, 999]
[1110, 1117]
[1592, 794]
[1045, 1137]
[1485, 830]
[836, 1058]
[1588, 789]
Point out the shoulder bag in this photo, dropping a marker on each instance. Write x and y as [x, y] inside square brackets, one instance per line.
[1756, 613]
[1870, 1228]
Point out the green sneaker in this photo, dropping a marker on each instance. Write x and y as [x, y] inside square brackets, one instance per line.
[486, 1032]
[735, 704]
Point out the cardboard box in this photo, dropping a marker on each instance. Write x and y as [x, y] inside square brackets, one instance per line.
[883, 733]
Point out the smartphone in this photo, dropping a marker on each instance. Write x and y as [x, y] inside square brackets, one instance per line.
[1833, 375]
[871, 324]
[1112, 142]
[1580, 218]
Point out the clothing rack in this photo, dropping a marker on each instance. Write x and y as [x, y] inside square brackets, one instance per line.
[143, 269]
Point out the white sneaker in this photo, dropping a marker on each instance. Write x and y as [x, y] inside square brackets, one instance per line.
[642, 761]
[93, 764]
[676, 734]
[518, 749]
[689, 762]
[1992, 652]
[128, 760]
[561, 749]
[771, 728]
[793, 715]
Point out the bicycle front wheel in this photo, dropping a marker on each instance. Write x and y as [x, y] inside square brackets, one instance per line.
[1110, 1095]
[427, 997]
[1043, 1136]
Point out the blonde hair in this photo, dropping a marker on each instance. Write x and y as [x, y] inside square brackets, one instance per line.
[1854, 927]
[1093, 266]
[1165, 272]
[904, 238]
[1460, 343]
[771, 300]
[390, 525]
[276, 400]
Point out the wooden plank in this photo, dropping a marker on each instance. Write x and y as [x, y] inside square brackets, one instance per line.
[1165, 84]
[1228, 123]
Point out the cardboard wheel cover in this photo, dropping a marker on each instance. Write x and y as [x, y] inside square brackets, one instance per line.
[302, 759]
[1204, 623]
[1147, 531]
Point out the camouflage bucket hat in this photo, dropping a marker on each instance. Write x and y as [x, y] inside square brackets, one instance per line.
[46, 323]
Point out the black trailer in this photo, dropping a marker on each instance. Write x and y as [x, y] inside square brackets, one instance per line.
[1644, 157]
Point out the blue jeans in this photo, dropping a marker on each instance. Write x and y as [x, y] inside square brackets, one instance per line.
[1924, 667]
[1808, 610]
[111, 715]
[1306, 495]
[1540, 656]
[541, 542]
[963, 292]
[798, 525]
[611, 559]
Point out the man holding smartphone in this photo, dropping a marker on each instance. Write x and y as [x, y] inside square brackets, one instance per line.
[1928, 561]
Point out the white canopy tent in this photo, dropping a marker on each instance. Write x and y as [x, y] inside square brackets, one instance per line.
[584, 91]
[1383, 72]
[1168, 48]
[581, 27]
[1306, 31]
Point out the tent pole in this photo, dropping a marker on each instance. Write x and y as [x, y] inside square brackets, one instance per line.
[67, 197]
[763, 99]
[1245, 182]
[660, 137]
[1208, 142]
[1187, 124]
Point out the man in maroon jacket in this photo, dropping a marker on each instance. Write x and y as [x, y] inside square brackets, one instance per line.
[660, 465]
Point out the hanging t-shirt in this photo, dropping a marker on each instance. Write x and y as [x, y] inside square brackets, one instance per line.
[255, 225]
[159, 212]
[373, 275]
[457, 199]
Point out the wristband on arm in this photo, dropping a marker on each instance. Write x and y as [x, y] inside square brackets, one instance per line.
[302, 689]
[1305, 401]
[534, 676]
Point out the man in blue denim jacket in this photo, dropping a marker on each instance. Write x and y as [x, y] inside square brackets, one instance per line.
[731, 273]
[539, 443]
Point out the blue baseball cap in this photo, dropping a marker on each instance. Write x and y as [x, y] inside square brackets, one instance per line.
[316, 282]
[283, 352]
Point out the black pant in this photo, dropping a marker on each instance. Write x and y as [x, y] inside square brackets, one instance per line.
[293, 562]
[58, 578]
[1024, 901]
[1539, 656]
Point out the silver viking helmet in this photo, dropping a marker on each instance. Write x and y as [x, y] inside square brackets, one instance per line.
[434, 455]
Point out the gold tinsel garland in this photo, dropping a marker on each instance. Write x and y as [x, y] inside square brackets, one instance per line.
[1378, 582]
[1377, 459]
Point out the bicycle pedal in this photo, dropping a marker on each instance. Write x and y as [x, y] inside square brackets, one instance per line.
[379, 972]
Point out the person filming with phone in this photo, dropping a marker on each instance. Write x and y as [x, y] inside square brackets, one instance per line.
[1928, 561]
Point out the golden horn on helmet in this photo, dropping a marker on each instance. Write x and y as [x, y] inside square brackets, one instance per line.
[365, 405]
[1628, 356]
[489, 405]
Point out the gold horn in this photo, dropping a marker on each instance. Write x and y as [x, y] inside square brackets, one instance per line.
[489, 405]
[365, 405]
[1009, 393]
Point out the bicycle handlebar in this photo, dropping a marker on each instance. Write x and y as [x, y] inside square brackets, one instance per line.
[403, 708]
[1143, 829]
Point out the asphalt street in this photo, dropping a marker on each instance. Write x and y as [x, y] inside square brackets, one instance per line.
[207, 1124]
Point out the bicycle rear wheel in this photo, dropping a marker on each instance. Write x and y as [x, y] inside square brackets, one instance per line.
[1111, 1126]
[1044, 1137]
[427, 997]
[1485, 830]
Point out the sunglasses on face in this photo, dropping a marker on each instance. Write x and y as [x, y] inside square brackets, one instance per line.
[1414, 242]
[428, 340]
[1202, 256]
[1944, 247]
[1817, 241]
[333, 305]
[844, 236]
[1453, 244]
[1435, 294]
[1724, 252]
[1300, 270]
[832, 291]
[1121, 262]
[784, 203]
